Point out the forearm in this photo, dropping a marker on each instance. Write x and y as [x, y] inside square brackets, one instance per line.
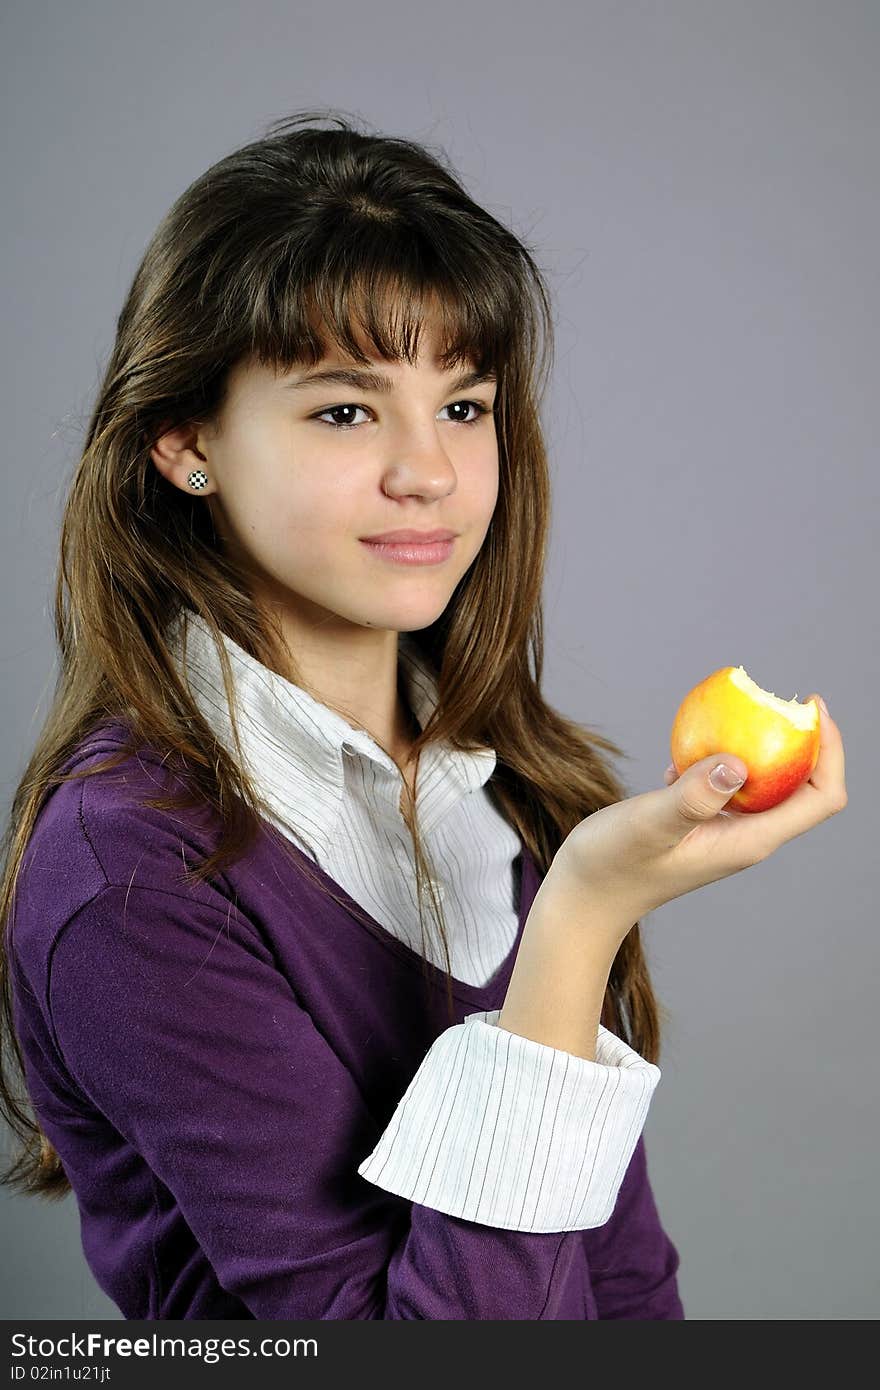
[561, 971]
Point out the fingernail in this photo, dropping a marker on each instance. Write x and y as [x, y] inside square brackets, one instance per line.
[824, 706]
[669, 770]
[724, 779]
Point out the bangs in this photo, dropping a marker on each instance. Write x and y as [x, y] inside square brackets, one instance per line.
[373, 295]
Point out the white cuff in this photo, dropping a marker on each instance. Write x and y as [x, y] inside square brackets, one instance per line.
[508, 1132]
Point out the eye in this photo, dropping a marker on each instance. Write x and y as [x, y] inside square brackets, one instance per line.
[478, 407]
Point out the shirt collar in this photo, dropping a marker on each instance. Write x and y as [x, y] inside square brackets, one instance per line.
[296, 748]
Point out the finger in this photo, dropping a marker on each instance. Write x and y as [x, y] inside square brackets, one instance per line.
[670, 776]
[696, 797]
[829, 774]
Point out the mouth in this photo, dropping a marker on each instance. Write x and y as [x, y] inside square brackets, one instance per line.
[412, 552]
[417, 537]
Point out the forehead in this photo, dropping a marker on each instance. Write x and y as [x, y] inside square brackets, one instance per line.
[430, 344]
[422, 348]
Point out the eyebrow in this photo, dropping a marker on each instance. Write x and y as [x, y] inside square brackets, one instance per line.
[366, 380]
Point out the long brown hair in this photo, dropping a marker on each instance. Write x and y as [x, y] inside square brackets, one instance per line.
[358, 231]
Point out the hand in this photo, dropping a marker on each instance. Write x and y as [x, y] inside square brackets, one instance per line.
[646, 850]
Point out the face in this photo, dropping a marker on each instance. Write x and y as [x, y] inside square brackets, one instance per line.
[300, 473]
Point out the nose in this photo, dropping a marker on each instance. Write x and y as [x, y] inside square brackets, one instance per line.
[418, 464]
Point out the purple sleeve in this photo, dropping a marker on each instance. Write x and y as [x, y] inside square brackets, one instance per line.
[633, 1263]
[175, 1022]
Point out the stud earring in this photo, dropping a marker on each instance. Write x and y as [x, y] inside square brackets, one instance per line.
[197, 478]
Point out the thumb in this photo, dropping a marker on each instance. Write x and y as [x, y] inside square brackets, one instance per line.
[706, 786]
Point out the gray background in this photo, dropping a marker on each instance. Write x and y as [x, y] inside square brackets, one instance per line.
[701, 182]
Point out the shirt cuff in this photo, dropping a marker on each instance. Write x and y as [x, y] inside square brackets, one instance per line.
[508, 1132]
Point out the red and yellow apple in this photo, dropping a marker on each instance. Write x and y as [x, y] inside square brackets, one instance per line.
[778, 740]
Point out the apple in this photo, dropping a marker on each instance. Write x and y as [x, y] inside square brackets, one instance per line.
[778, 740]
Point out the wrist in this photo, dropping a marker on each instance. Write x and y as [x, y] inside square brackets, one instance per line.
[564, 896]
[557, 989]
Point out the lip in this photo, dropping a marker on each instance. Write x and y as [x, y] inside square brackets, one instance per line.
[411, 537]
[412, 552]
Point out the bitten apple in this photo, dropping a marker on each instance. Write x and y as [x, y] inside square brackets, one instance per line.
[777, 739]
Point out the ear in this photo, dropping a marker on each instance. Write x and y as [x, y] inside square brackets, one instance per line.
[176, 455]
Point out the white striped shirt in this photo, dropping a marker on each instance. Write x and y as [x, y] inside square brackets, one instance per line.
[512, 1110]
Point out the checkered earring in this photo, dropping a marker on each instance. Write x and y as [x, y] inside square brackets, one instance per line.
[197, 478]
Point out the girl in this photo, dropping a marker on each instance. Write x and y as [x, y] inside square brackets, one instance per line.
[278, 741]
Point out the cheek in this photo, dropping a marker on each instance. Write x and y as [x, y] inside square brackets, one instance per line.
[309, 503]
[283, 524]
[494, 485]
[328, 509]
[484, 485]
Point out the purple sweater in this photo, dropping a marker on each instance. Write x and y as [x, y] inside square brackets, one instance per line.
[212, 1063]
